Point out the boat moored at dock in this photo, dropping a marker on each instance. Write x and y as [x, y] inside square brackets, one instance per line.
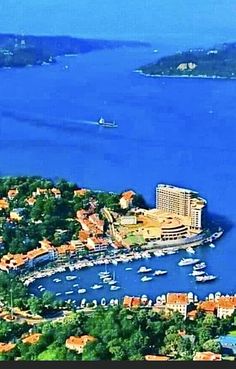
[188, 261]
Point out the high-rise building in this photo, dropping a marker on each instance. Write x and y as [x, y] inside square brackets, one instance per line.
[181, 201]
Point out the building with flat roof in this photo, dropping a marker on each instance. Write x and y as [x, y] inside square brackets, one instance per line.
[182, 202]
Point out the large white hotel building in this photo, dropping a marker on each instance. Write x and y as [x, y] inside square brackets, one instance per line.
[182, 202]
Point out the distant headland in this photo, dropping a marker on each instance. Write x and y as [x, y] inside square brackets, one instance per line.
[215, 62]
[20, 51]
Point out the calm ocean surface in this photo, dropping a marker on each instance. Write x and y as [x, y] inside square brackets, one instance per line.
[175, 131]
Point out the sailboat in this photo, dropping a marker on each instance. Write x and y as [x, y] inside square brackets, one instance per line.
[113, 281]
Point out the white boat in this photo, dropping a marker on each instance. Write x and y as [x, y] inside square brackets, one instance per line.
[57, 280]
[83, 303]
[81, 290]
[114, 262]
[58, 293]
[197, 272]
[128, 269]
[96, 286]
[190, 250]
[71, 277]
[200, 266]
[212, 245]
[114, 288]
[205, 278]
[69, 292]
[103, 123]
[159, 253]
[113, 281]
[143, 269]
[107, 279]
[103, 301]
[42, 289]
[76, 285]
[160, 272]
[170, 252]
[145, 278]
[190, 261]
[40, 286]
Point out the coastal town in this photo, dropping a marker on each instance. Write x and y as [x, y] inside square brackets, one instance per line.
[104, 229]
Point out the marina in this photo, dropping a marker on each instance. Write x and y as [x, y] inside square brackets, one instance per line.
[101, 278]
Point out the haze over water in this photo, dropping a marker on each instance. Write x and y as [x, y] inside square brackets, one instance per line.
[176, 131]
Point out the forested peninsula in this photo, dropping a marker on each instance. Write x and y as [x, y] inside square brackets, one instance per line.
[215, 62]
[20, 51]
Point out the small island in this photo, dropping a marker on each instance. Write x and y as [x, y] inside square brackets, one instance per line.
[216, 62]
[21, 51]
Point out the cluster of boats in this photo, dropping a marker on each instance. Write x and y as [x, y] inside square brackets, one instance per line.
[146, 278]
[198, 269]
[109, 279]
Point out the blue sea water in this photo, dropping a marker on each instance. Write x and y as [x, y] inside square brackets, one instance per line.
[171, 130]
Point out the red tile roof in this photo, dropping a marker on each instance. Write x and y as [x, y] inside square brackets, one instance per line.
[207, 356]
[177, 298]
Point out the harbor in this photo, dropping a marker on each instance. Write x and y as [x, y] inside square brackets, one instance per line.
[134, 273]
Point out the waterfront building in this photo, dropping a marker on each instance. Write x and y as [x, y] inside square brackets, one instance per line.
[208, 307]
[96, 244]
[126, 199]
[182, 202]
[78, 343]
[40, 255]
[68, 249]
[131, 302]
[226, 305]
[15, 263]
[207, 356]
[177, 302]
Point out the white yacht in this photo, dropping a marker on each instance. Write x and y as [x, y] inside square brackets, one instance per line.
[69, 292]
[200, 266]
[128, 269]
[107, 279]
[114, 288]
[190, 250]
[71, 277]
[144, 269]
[58, 293]
[190, 261]
[57, 280]
[96, 286]
[211, 245]
[145, 278]
[76, 285]
[113, 281]
[81, 290]
[160, 272]
[205, 278]
[159, 253]
[197, 272]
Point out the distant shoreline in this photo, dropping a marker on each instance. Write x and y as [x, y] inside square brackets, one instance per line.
[186, 76]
